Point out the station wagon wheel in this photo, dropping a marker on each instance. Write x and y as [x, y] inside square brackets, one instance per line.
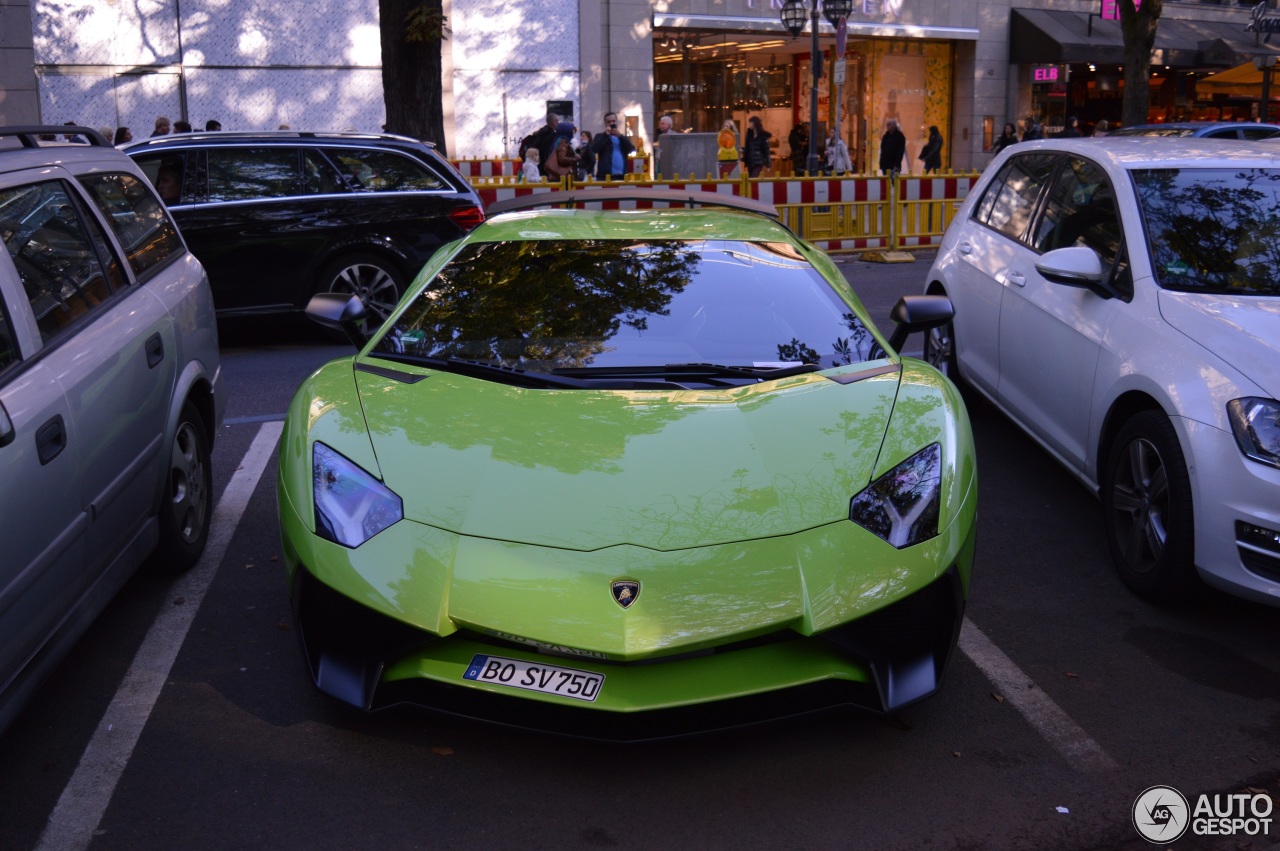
[187, 509]
[378, 283]
[1146, 499]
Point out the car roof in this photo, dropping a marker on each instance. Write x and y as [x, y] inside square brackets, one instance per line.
[1129, 152]
[641, 225]
[1195, 127]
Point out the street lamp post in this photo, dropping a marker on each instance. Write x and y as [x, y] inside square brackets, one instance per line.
[793, 14]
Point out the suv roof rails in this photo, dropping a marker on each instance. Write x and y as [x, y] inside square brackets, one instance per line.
[205, 135]
[30, 134]
[687, 197]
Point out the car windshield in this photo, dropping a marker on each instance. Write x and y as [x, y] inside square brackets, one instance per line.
[1213, 229]
[577, 306]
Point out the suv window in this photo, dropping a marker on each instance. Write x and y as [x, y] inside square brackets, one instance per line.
[384, 171]
[139, 220]
[1010, 198]
[58, 252]
[247, 174]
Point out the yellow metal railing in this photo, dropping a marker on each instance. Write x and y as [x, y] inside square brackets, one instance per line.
[838, 214]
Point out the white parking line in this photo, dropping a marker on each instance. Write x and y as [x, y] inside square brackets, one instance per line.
[84, 800]
[1049, 720]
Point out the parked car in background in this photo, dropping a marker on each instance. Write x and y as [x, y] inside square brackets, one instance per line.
[110, 394]
[1202, 130]
[279, 216]
[628, 473]
[1118, 299]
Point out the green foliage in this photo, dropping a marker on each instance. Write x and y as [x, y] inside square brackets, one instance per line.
[426, 22]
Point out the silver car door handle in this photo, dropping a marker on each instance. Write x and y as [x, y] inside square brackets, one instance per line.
[1017, 279]
[965, 248]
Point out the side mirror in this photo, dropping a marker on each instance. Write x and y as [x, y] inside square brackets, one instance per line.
[918, 313]
[340, 312]
[7, 432]
[1074, 266]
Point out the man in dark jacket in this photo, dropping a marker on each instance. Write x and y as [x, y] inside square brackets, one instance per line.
[611, 150]
[893, 148]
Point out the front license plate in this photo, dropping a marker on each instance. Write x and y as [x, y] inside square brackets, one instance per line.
[533, 676]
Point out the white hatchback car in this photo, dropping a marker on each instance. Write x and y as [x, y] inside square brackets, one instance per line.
[1119, 300]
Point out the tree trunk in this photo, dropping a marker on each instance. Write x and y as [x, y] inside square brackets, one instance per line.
[411, 76]
[1139, 29]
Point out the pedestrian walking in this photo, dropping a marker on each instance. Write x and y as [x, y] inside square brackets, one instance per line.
[755, 148]
[587, 164]
[727, 156]
[1008, 136]
[122, 136]
[837, 154]
[931, 153]
[563, 160]
[1070, 129]
[162, 126]
[893, 148]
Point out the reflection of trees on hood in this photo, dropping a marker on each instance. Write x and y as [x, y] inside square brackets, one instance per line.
[1214, 230]
[547, 301]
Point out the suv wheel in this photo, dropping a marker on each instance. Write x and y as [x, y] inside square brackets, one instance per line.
[188, 502]
[378, 283]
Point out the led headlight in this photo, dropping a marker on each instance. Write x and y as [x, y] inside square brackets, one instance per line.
[902, 505]
[351, 505]
[1256, 423]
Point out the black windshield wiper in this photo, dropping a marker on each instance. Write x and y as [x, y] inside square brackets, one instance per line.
[681, 371]
[560, 379]
[490, 371]
[762, 372]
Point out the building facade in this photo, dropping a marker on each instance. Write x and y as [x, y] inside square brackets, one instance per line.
[964, 66]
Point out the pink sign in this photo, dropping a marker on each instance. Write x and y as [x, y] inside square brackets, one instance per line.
[1110, 9]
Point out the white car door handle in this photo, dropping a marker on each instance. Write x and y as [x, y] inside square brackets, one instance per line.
[965, 248]
[1017, 279]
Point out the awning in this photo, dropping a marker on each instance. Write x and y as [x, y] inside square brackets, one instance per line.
[1247, 74]
[1055, 37]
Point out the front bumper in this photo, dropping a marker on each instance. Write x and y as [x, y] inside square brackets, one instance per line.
[719, 637]
[882, 662]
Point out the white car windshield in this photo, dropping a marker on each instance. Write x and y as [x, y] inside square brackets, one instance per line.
[1213, 230]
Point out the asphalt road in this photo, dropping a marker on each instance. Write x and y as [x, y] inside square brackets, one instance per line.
[1068, 698]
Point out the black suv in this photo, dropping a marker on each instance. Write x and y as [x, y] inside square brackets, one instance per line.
[276, 217]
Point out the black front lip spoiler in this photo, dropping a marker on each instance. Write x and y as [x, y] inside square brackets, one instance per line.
[907, 646]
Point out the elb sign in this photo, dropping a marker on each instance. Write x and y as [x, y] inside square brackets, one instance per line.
[1110, 10]
[1046, 74]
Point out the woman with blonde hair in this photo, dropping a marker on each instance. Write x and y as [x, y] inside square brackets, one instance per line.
[727, 156]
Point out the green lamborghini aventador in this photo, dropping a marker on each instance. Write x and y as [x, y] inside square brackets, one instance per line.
[628, 473]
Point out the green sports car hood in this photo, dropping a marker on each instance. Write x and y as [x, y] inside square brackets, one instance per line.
[586, 469]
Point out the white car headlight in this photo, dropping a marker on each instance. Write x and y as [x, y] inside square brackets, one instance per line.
[351, 505]
[1256, 423]
[902, 505]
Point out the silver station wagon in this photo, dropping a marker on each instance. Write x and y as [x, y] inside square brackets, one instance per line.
[110, 394]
